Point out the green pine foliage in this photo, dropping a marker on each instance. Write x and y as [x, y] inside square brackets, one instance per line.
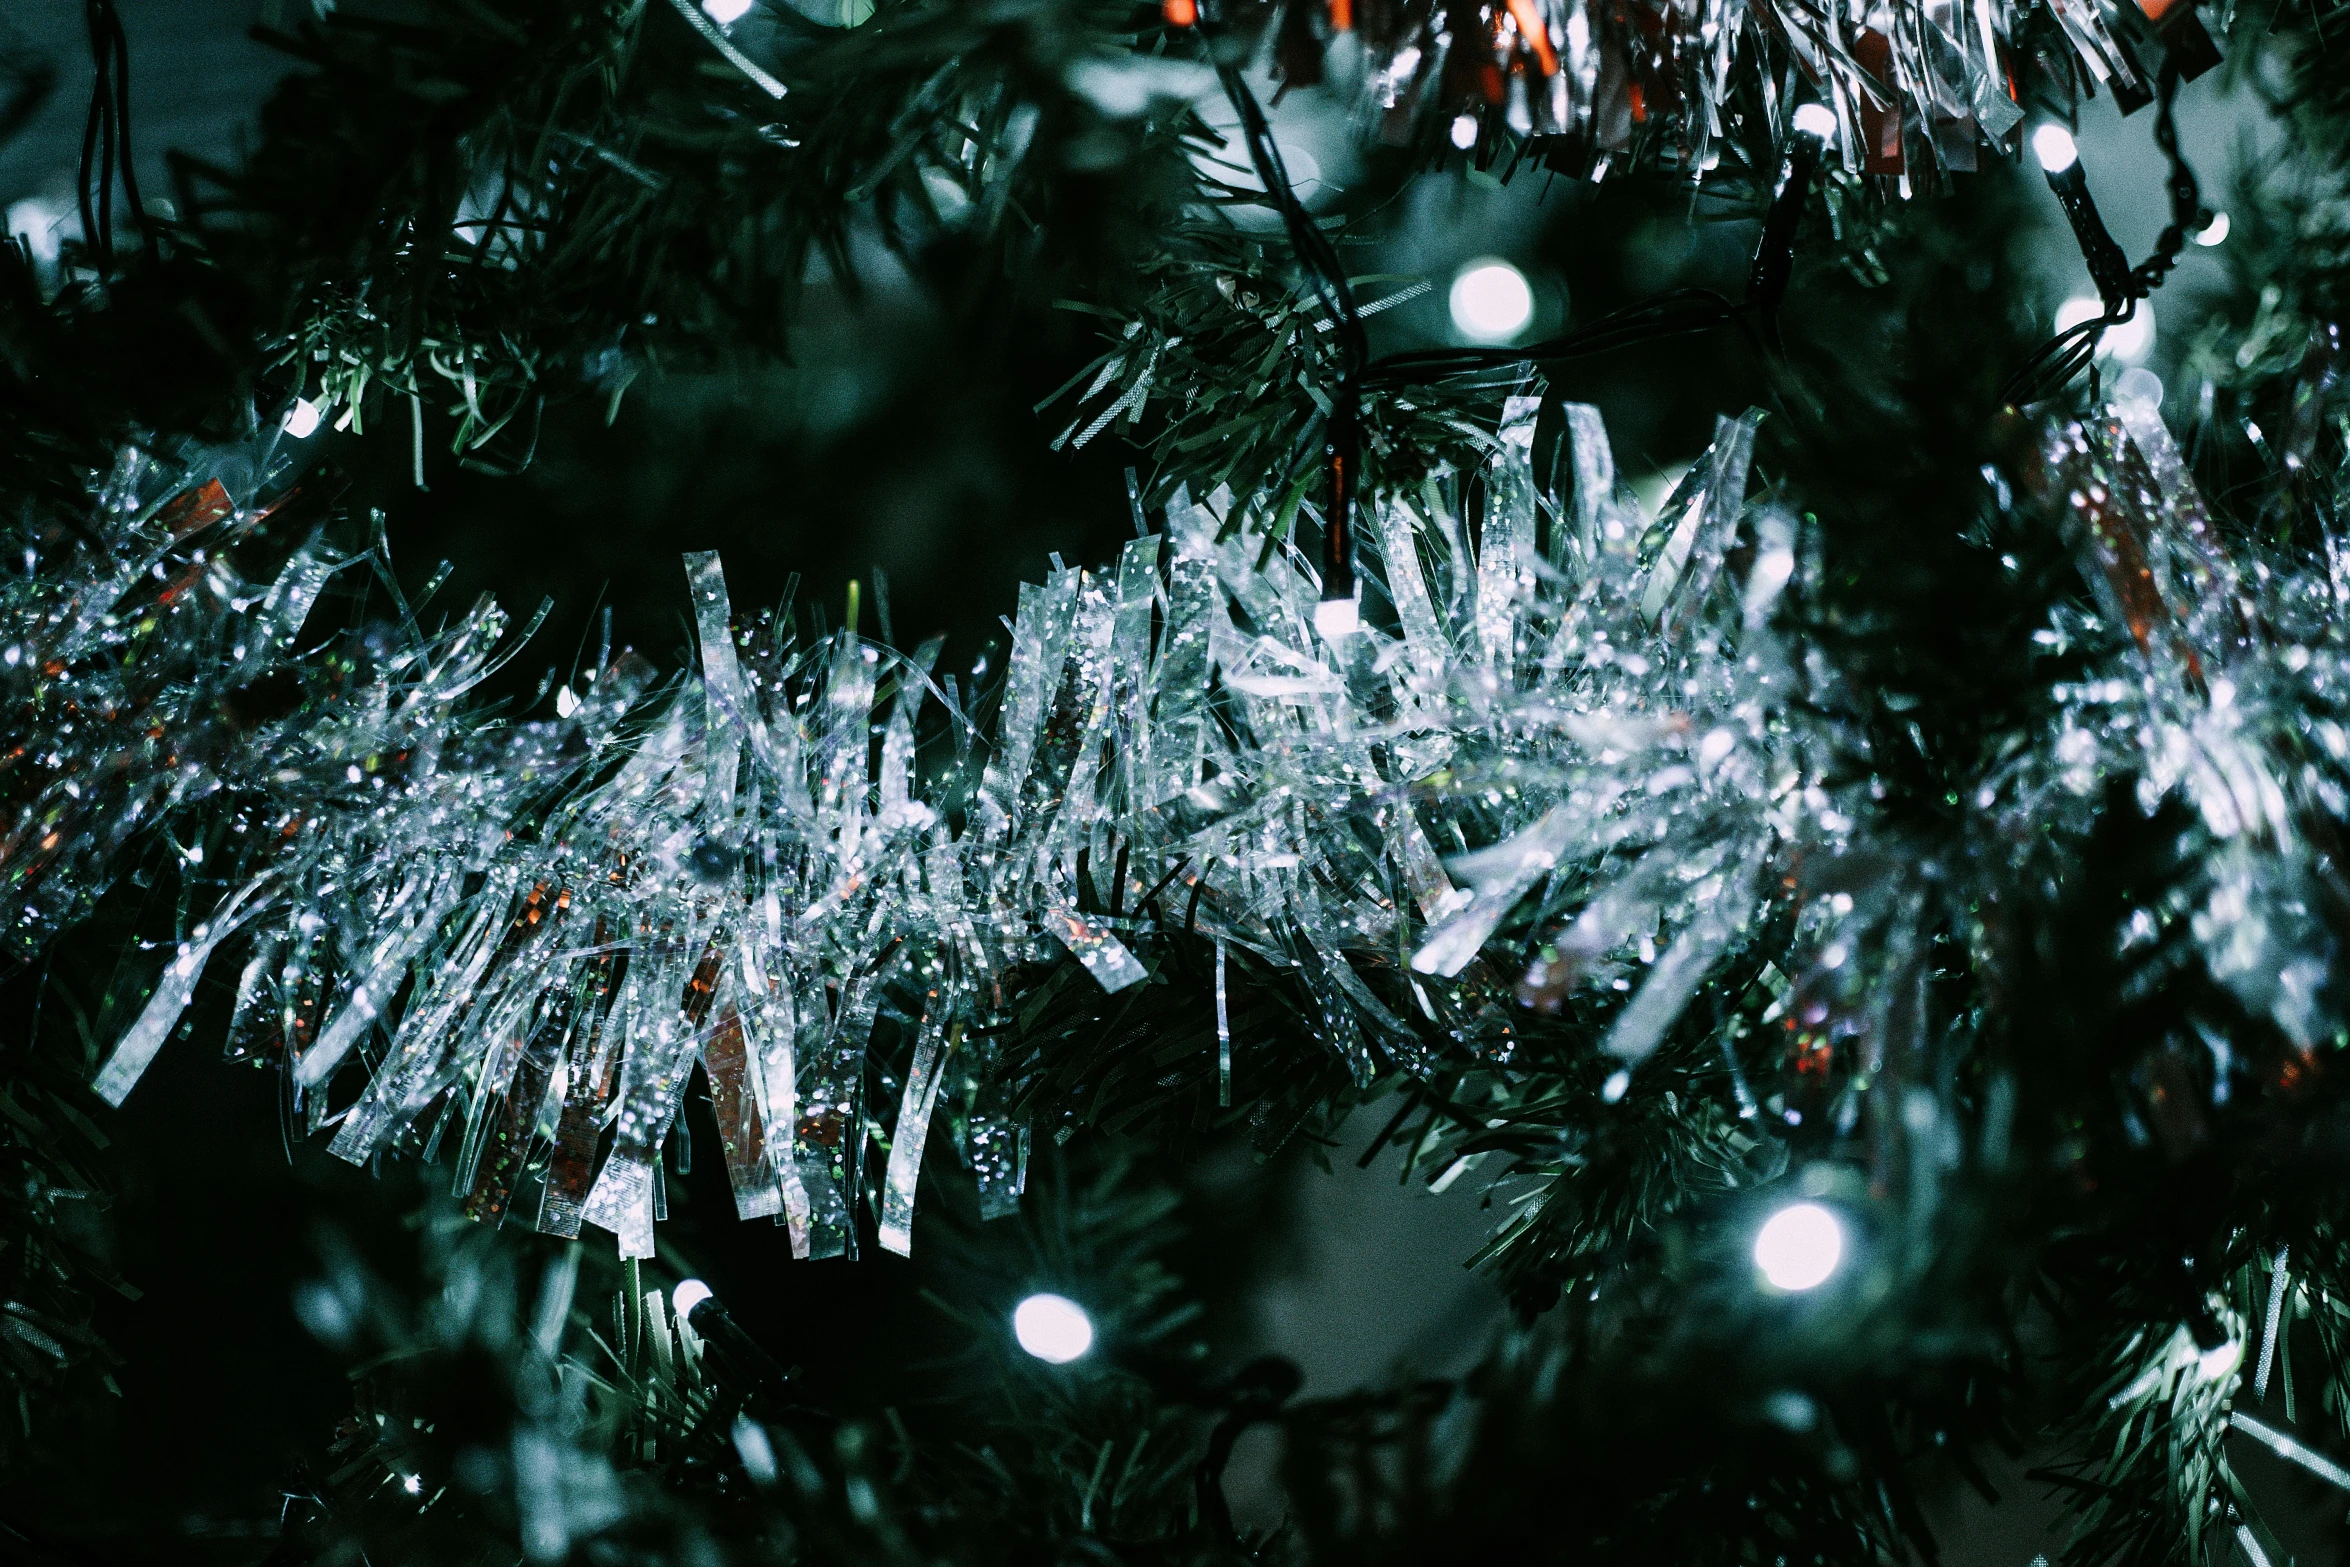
[477, 206]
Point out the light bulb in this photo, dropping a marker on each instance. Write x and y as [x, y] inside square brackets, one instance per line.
[2129, 342]
[726, 12]
[2138, 385]
[756, 1451]
[1816, 119]
[302, 419]
[1491, 302]
[38, 225]
[1335, 618]
[2213, 233]
[688, 1295]
[1053, 1328]
[1799, 1246]
[2053, 145]
[1464, 131]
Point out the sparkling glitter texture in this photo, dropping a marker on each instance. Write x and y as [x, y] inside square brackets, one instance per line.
[1574, 761]
[1911, 86]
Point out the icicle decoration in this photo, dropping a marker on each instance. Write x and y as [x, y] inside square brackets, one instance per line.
[2291, 1451]
[2279, 1281]
[1223, 1032]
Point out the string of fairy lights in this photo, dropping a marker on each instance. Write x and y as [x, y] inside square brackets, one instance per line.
[1799, 1247]
[1491, 299]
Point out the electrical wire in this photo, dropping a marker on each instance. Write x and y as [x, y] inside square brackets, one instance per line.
[106, 139]
[2074, 349]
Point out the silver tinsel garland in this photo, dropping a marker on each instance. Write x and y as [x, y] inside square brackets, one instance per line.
[1583, 759]
[1913, 82]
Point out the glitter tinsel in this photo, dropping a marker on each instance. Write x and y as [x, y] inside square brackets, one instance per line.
[1571, 765]
[1916, 85]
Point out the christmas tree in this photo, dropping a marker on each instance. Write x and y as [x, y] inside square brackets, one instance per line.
[1625, 672]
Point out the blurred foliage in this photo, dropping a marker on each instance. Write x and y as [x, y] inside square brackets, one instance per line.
[54, 1197]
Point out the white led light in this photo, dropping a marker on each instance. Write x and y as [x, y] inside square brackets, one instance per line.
[2074, 311]
[1491, 302]
[688, 1295]
[1816, 119]
[2220, 1360]
[412, 1484]
[1464, 131]
[39, 226]
[1799, 1246]
[2130, 342]
[2138, 384]
[2213, 233]
[1053, 1328]
[2053, 145]
[726, 12]
[302, 419]
[1335, 618]
[755, 1450]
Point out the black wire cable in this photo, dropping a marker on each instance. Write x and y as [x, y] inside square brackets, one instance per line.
[1677, 314]
[1683, 312]
[1680, 313]
[1774, 252]
[1343, 442]
[2187, 213]
[96, 190]
[106, 138]
[2119, 285]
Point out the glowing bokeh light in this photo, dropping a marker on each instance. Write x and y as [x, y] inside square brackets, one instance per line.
[2053, 145]
[1799, 1246]
[2130, 342]
[2220, 1360]
[1491, 302]
[1053, 1328]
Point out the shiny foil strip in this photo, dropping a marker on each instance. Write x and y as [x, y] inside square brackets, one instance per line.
[924, 1077]
[1568, 761]
[726, 1057]
[1917, 85]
